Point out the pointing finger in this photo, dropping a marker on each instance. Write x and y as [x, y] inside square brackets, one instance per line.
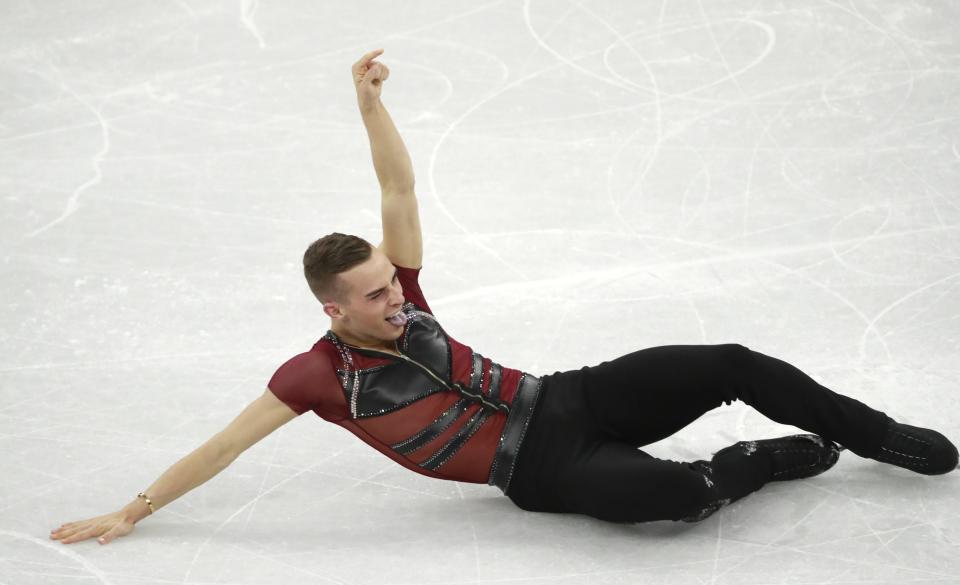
[368, 57]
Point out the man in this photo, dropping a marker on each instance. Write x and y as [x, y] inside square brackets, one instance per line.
[567, 442]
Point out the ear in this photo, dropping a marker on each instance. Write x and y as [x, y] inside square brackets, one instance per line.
[332, 310]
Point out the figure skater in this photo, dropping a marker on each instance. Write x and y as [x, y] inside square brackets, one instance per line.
[567, 442]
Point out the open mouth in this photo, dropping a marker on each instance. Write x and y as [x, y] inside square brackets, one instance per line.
[397, 319]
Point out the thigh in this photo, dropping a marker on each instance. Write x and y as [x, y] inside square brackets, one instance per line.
[647, 395]
[617, 482]
[559, 431]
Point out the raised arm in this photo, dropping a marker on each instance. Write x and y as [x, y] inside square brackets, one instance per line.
[402, 238]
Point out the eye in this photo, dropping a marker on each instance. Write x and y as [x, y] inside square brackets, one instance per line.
[380, 293]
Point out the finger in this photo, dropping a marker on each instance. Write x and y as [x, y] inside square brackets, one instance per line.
[90, 532]
[78, 536]
[62, 529]
[71, 534]
[367, 58]
[76, 529]
[66, 531]
[364, 73]
[372, 75]
[110, 535]
[371, 55]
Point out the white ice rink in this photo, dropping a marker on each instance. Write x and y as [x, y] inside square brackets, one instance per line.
[593, 178]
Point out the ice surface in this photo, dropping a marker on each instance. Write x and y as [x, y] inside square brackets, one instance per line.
[593, 178]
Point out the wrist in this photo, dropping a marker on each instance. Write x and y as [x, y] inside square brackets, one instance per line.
[369, 106]
[135, 511]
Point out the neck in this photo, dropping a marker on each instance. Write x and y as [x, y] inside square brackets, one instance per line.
[350, 340]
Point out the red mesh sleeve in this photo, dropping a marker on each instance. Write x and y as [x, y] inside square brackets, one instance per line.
[301, 380]
[410, 281]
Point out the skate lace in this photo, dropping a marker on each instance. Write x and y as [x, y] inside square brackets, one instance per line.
[921, 461]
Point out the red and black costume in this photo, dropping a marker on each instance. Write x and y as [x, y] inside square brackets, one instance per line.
[440, 409]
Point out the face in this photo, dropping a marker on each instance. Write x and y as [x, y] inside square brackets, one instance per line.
[375, 294]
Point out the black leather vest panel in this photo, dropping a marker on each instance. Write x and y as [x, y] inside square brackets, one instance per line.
[381, 389]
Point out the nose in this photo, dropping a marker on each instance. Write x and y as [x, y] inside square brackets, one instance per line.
[400, 304]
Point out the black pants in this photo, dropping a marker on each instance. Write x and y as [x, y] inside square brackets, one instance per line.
[580, 453]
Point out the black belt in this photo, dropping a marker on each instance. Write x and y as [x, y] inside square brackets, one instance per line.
[514, 430]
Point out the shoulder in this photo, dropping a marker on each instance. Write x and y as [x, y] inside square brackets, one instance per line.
[309, 364]
[307, 381]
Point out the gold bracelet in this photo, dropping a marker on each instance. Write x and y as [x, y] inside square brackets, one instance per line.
[149, 503]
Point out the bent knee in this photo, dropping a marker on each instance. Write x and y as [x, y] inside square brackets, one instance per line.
[733, 363]
[734, 352]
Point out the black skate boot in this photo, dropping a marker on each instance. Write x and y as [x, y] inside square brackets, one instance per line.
[744, 467]
[794, 456]
[918, 449]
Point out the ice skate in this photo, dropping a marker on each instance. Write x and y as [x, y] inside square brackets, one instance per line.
[918, 449]
[794, 456]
